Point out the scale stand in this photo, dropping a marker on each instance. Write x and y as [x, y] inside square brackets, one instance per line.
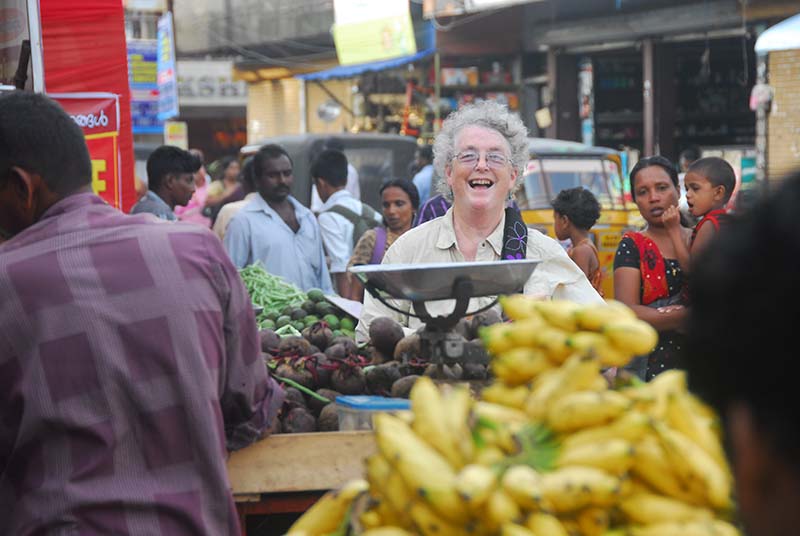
[421, 283]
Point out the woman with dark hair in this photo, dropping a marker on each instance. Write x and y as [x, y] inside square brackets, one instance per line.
[400, 202]
[647, 275]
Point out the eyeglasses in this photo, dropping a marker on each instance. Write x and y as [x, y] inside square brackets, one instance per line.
[494, 160]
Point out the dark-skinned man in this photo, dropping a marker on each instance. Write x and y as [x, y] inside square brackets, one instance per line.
[129, 354]
[170, 179]
[275, 230]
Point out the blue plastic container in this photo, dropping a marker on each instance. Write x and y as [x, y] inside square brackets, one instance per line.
[355, 412]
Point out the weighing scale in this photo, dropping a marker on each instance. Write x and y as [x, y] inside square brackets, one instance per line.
[459, 281]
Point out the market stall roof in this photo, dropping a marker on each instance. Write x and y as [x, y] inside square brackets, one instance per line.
[349, 71]
[783, 36]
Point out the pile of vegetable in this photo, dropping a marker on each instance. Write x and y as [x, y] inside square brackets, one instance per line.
[283, 304]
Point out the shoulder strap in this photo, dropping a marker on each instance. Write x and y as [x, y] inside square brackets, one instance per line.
[515, 236]
[380, 245]
[345, 212]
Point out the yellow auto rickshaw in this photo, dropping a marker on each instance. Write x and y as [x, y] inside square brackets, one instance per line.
[556, 165]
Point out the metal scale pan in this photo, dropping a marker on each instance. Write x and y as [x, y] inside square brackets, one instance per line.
[459, 281]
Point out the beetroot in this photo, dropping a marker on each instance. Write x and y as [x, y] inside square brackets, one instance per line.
[294, 347]
[350, 346]
[318, 334]
[320, 367]
[486, 318]
[299, 421]
[474, 371]
[407, 348]
[316, 405]
[384, 333]
[349, 380]
[269, 341]
[402, 387]
[329, 419]
[336, 352]
[296, 373]
[294, 398]
[380, 378]
[447, 372]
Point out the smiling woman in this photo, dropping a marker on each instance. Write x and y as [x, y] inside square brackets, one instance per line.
[481, 152]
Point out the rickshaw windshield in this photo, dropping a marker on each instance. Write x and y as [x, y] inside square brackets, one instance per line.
[545, 178]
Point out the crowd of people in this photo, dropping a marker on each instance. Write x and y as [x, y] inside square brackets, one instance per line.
[129, 353]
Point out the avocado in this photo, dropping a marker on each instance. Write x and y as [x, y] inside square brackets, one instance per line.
[282, 321]
[332, 321]
[347, 324]
[298, 314]
[315, 295]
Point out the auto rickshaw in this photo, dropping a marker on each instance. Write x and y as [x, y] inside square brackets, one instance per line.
[556, 165]
[376, 157]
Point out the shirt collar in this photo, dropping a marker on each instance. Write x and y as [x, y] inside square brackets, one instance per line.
[447, 233]
[73, 202]
[259, 204]
[334, 199]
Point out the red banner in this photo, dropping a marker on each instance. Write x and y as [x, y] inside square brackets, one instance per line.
[98, 117]
[85, 52]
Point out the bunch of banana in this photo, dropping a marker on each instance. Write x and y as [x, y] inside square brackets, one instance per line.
[550, 448]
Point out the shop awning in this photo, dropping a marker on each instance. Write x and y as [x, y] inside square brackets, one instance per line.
[349, 71]
[783, 36]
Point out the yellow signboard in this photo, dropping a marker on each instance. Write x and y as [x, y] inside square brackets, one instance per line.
[366, 30]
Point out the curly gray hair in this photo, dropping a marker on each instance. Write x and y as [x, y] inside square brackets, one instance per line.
[487, 114]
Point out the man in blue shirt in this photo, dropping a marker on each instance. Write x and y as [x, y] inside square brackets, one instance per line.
[423, 180]
[170, 179]
[275, 229]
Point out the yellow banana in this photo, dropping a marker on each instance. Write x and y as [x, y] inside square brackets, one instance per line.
[559, 313]
[523, 484]
[614, 456]
[499, 393]
[518, 306]
[587, 342]
[499, 413]
[543, 524]
[653, 467]
[631, 427]
[519, 365]
[327, 514]
[474, 483]
[632, 336]
[386, 531]
[429, 523]
[431, 422]
[458, 406]
[682, 417]
[584, 409]
[595, 317]
[500, 509]
[378, 470]
[571, 488]
[397, 498]
[489, 455]
[553, 341]
[697, 463]
[512, 529]
[370, 519]
[423, 469]
[577, 373]
[691, 528]
[649, 509]
[593, 521]
[523, 332]
[496, 338]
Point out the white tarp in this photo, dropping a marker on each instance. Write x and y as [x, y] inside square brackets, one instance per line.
[783, 36]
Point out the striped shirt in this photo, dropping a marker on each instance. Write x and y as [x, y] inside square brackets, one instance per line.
[129, 365]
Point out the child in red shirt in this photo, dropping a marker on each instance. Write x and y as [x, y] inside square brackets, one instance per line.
[709, 184]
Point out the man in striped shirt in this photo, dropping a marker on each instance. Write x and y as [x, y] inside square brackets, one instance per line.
[129, 355]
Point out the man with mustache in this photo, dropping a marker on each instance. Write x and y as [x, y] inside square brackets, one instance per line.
[275, 230]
